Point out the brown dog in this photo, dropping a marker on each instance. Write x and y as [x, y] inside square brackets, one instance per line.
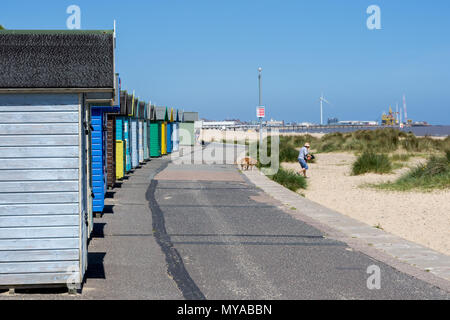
[247, 163]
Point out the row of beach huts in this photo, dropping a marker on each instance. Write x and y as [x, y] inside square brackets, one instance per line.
[129, 134]
[67, 134]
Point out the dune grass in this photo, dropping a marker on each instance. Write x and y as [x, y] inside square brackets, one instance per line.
[237, 142]
[289, 179]
[401, 157]
[385, 140]
[371, 162]
[290, 145]
[374, 147]
[380, 141]
[435, 174]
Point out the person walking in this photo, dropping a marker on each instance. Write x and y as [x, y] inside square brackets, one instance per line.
[303, 157]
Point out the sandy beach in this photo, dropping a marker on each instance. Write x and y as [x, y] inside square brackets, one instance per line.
[210, 135]
[421, 217]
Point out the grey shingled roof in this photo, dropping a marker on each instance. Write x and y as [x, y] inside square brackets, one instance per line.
[56, 59]
[160, 113]
[123, 102]
[129, 104]
[136, 107]
[141, 109]
[152, 112]
[190, 116]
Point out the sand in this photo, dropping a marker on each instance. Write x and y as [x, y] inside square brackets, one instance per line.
[209, 135]
[421, 217]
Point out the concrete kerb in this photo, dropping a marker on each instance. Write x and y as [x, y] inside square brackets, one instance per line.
[403, 255]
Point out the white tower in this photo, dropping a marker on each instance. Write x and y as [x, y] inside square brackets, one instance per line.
[322, 100]
[404, 109]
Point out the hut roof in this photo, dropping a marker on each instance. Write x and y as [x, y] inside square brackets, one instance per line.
[57, 59]
[152, 113]
[141, 109]
[130, 104]
[161, 113]
[136, 107]
[123, 102]
[190, 116]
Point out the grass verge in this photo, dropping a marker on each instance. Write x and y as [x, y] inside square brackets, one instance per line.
[371, 162]
[289, 179]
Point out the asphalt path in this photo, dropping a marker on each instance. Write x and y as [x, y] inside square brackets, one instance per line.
[228, 240]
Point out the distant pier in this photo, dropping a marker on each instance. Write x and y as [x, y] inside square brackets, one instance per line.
[431, 130]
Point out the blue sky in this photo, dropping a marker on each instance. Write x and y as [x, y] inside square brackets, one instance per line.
[203, 55]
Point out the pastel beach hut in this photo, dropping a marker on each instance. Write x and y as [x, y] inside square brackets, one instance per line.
[155, 134]
[45, 99]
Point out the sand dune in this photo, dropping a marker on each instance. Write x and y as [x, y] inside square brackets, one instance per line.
[422, 217]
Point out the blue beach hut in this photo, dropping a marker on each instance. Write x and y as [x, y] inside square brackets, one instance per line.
[169, 130]
[99, 154]
[176, 130]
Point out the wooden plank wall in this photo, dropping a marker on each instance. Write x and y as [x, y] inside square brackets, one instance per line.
[134, 132]
[98, 161]
[147, 124]
[141, 140]
[145, 140]
[111, 150]
[155, 139]
[39, 188]
[127, 140]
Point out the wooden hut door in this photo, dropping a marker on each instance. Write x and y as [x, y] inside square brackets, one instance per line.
[111, 150]
[104, 151]
[89, 191]
[86, 224]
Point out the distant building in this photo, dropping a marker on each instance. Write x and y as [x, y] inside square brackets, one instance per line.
[274, 123]
[218, 124]
[333, 120]
[358, 123]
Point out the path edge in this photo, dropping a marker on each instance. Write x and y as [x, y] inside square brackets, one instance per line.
[401, 254]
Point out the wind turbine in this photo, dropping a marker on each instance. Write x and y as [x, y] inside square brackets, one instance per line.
[322, 100]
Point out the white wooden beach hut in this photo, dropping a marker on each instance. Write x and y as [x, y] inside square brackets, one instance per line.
[47, 83]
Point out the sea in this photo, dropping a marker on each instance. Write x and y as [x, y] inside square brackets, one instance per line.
[433, 130]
